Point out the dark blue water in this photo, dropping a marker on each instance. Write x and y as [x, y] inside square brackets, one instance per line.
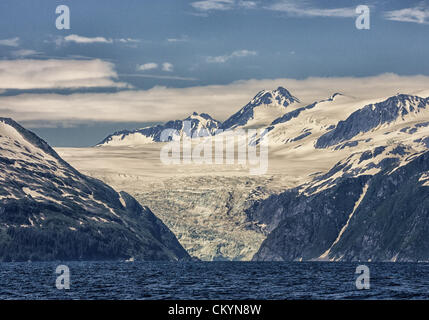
[213, 280]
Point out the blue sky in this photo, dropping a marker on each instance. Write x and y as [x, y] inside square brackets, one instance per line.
[140, 47]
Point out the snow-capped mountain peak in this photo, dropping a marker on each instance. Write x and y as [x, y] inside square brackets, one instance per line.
[266, 106]
[201, 117]
[279, 97]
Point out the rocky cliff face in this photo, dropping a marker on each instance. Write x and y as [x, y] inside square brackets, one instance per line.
[304, 226]
[383, 217]
[50, 211]
[392, 221]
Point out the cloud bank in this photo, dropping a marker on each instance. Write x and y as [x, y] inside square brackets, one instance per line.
[207, 5]
[302, 9]
[80, 39]
[220, 101]
[291, 7]
[417, 15]
[147, 66]
[57, 74]
[25, 53]
[235, 54]
[166, 66]
[14, 42]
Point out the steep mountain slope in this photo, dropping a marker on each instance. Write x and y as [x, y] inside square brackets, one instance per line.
[304, 227]
[49, 211]
[303, 124]
[372, 116]
[196, 125]
[367, 218]
[295, 113]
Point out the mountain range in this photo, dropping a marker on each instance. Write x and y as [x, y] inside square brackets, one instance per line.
[261, 111]
[350, 181]
[371, 205]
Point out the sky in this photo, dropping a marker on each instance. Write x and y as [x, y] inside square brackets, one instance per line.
[126, 64]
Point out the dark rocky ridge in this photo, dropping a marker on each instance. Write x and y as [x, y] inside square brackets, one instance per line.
[49, 211]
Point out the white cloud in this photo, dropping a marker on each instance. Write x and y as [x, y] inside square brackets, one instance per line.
[167, 66]
[80, 39]
[303, 9]
[14, 42]
[207, 5]
[147, 66]
[247, 4]
[220, 101]
[416, 15]
[156, 76]
[25, 53]
[52, 73]
[128, 40]
[74, 38]
[181, 39]
[293, 7]
[235, 54]
[211, 5]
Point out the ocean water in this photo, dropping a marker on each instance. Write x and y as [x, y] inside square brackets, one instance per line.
[213, 280]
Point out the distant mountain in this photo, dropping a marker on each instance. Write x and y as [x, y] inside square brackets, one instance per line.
[373, 115]
[50, 211]
[260, 112]
[195, 125]
[262, 109]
